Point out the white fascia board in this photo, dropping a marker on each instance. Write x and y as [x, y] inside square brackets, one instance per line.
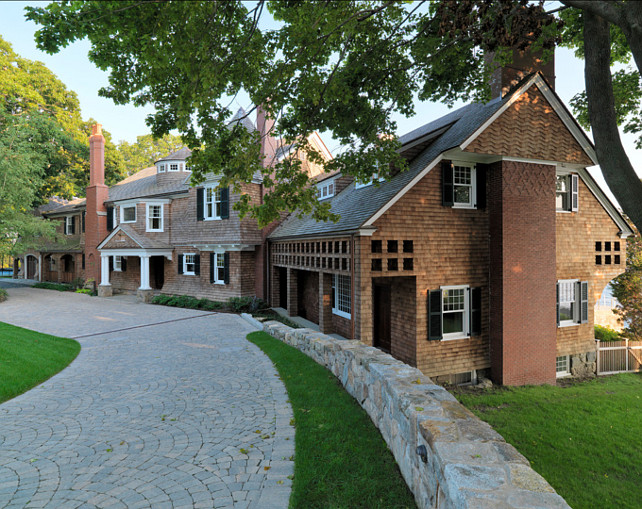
[610, 208]
[167, 253]
[225, 247]
[366, 232]
[127, 203]
[403, 191]
[156, 201]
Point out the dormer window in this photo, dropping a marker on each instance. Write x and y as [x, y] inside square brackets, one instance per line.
[325, 189]
[173, 167]
[359, 185]
[161, 168]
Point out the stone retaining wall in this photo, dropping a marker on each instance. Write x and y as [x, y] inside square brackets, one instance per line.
[466, 464]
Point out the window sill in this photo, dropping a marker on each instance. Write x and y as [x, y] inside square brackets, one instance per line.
[454, 336]
[189, 273]
[218, 283]
[153, 231]
[128, 222]
[567, 324]
[562, 374]
[342, 314]
[212, 219]
[463, 206]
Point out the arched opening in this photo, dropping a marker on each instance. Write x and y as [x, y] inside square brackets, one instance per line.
[32, 267]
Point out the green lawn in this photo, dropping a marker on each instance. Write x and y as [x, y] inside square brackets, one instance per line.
[28, 358]
[584, 438]
[341, 461]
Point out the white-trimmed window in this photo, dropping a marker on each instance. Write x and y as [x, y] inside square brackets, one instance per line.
[173, 166]
[567, 193]
[464, 185]
[128, 214]
[161, 168]
[325, 189]
[189, 264]
[562, 366]
[69, 225]
[572, 302]
[359, 185]
[455, 312]
[212, 203]
[219, 268]
[118, 263]
[341, 290]
[154, 218]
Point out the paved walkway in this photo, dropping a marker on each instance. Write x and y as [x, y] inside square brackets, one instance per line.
[184, 413]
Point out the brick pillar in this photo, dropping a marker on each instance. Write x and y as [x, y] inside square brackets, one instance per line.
[293, 297]
[275, 287]
[362, 307]
[523, 329]
[325, 303]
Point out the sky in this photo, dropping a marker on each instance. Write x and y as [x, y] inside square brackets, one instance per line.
[126, 122]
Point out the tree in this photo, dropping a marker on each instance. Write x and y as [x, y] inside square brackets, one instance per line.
[627, 289]
[147, 150]
[342, 66]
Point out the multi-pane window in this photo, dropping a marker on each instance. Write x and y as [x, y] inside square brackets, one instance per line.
[562, 366]
[212, 203]
[154, 218]
[189, 263]
[325, 190]
[219, 268]
[342, 295]
[161, 168]
[69, 225]
[567, 302]
[118, 263]
[128, 214]
[173, 167]
[566, 193]
[463, 185]
[455, 311]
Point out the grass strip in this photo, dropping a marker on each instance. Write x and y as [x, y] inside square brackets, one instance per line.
[28, 358]
[583, 438]
[341, 460]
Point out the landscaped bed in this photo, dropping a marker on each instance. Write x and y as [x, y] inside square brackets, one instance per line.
[341, 460]
[582, 437]
[28, 358]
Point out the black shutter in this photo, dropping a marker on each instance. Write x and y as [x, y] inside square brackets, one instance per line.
[83, 261]
[73, 225]
[447, 185]
[200, 203]
[583, 287]
[110, 218]
[111, 263]
[558, 304]
[574, 193]
[434, 315]
[84, 214]
[212, 266]
[180, 263]
[197, 264]
[225, 203]
[475, 311]
[226, 270]
[123, 263]
[481, 186]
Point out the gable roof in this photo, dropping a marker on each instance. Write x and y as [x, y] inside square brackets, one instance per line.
[360, 208]
[179, 155]
[142, 241]
[57, 206]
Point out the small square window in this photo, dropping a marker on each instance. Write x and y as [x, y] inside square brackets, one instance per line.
[607, 260]
[376, 264]
[344, 264]
[607, 246]
[617, 259]
[393, 264]
[128, 214]
[408, 263]
[392, 246]
[616, 246]
[598, 246]
[375, 246]
[598, 259]
[408, 246]
[344, 246]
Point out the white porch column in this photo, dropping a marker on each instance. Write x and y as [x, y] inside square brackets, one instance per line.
[144, 273]
[104, 270]
[40, 267]
[24, 267]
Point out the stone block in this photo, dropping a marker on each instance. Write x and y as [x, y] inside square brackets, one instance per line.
[105, 291]
[144, 296]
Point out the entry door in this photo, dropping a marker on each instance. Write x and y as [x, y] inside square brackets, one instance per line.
[32, 267]
[381, 318]
[157, 272]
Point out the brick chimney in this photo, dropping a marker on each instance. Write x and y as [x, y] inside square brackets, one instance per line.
[269, 144]
[525, 62]
[97, 192]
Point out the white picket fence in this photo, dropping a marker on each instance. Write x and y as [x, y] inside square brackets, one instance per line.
[618, 356]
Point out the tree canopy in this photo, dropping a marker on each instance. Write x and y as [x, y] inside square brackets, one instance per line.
[345, 67]
[147, 150]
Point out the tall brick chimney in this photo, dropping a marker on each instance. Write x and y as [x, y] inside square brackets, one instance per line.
[97, 192]
[269, 144]
[525, 62]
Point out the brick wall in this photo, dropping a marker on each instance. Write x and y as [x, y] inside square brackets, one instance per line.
[577, 233]
[128, 281]
[522, 247]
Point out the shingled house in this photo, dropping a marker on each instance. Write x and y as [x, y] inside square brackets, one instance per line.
[486, 257]
[155, 233]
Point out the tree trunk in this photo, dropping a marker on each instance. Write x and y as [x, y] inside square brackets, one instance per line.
[616, 167]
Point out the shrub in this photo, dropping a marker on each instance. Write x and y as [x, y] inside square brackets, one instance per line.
[86, 291]
[606, 334]
[3, 295]
[209, 305]
[61, 287]
[246, 304]
[77, 283]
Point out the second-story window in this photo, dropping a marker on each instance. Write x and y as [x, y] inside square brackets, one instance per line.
[567, 193]
[463, 185]
[173, 167]
[212, 203]
[128, 214]
[154, 218]
[161, 168]
[325, 190]
[69, 225]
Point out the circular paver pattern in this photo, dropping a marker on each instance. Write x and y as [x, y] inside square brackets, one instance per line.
[186, 413]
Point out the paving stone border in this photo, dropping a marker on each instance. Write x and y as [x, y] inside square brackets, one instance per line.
[448, 457]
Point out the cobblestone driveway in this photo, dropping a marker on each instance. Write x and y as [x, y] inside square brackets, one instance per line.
[185, 413]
